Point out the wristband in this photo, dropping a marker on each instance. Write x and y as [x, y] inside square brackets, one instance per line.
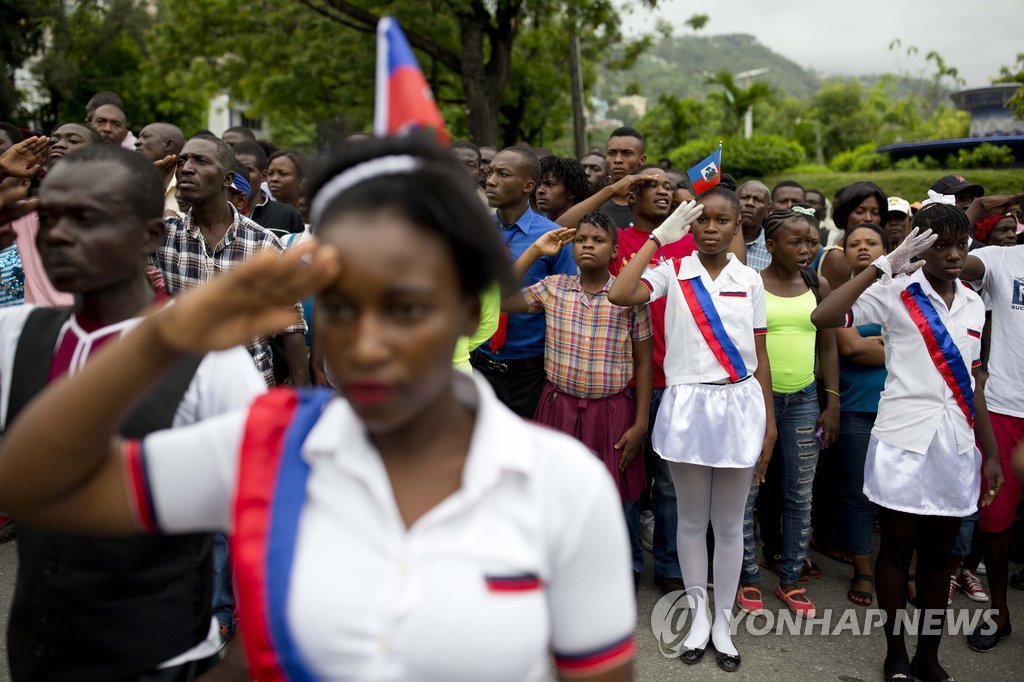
[835, 393]
[655, 240]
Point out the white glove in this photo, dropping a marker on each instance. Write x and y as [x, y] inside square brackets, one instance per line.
[677, 225]
[898, 261]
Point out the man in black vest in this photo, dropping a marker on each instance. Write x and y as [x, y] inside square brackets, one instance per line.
[109, 608]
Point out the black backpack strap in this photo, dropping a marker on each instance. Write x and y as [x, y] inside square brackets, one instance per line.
[34, 356]
[812, 281]
[157, 410]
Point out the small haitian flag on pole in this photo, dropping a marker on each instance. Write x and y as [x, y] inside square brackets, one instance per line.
[403, 99]
[707, 173]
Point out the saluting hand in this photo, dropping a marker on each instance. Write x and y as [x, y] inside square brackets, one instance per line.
[22, 160]
[253, 300]
[551, 243]
[677, 225]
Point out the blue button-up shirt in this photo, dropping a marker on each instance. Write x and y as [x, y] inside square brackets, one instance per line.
[526, 332]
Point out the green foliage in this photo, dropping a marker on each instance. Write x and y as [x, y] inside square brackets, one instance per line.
[91, 46]
[760, 155]
[673, 120]
[912, 185]
[1014, 74]
[859, 159]
[736, 99]
[697, 21]
[21, 34]
[917, 163]
[985, 156]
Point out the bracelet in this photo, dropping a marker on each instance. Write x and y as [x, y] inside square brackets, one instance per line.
[835, 393]
[655, 240]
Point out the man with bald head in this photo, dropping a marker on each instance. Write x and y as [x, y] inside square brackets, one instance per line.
[755, 203]
[513, 359]
[158, 141]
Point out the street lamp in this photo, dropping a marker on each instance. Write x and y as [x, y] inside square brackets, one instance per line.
[748, 116]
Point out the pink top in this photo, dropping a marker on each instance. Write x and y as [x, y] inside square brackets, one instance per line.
[38, 288]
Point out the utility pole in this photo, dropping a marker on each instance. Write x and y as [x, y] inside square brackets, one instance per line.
[579, 123]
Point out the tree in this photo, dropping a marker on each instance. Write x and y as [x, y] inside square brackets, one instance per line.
[735, 99]
[21, 36]
[697, 22]
[486, 34]
[1014, 74]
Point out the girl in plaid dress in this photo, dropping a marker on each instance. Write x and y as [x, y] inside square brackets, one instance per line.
[592, 351]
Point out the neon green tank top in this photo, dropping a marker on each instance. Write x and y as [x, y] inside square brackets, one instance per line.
[790, 341]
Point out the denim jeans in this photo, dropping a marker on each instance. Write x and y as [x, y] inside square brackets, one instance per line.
[796, 416]
[631, 510]
[663, 503]
[858, 510]
[223, 596]
[962, 546]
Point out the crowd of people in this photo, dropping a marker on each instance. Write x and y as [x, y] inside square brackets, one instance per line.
[525, 373]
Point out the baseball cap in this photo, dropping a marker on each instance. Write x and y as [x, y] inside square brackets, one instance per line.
[898, 205]
[954, 184]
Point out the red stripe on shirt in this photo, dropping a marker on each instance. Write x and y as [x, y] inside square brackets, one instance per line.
[597, 661]
[759, 331]
[139, 493]
[512, 583]
[647, 284]
[974, 333]
[733, 294]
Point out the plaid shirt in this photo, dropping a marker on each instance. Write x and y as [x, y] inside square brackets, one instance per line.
[587, 349]
[758, 256]
[186, 261]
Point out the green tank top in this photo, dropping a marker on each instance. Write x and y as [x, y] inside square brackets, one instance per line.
[790, 341]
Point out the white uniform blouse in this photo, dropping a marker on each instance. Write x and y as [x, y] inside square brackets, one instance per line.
[372, 599]
[738, 295]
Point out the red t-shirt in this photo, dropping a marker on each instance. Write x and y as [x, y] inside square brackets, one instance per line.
[630, 241]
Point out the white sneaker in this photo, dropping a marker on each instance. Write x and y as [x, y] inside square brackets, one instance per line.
[981, 569]
[647, 530]
[953, 585]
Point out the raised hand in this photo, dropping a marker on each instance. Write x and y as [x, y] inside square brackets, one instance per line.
[167, 166]
[22, 160]
[626, 185]
[13, 204]
[252, 300]
[677, 225]
[901, 259]
[551, 243]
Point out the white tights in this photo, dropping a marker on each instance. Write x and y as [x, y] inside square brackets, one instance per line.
[719, 496]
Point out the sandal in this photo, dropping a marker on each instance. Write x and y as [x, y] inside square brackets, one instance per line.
[800, 608]
[860, 597]
[840, 555]
[754, 606]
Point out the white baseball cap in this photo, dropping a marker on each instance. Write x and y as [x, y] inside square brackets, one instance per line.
[898, 205]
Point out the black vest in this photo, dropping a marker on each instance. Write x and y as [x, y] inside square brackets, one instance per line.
[90, 608]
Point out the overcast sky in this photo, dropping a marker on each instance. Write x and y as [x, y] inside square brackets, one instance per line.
[851, 37]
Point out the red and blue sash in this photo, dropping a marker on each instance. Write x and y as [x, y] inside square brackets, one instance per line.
[702, 307]
[271, 492]
[941, 348]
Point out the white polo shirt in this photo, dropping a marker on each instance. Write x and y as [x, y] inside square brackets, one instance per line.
[373, 600]
[916, 397]
[738, 295]
[1003, 284]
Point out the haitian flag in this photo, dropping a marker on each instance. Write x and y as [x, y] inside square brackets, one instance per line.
[707, 173]
[403, 100]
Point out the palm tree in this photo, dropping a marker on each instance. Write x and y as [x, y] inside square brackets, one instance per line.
[735, 99]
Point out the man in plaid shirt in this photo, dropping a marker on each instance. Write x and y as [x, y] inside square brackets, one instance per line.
[213, 238]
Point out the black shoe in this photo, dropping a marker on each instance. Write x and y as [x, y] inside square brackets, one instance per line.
[667, 585]
[982, 642]
[1017, 580]
[727, 662]
[918, 675]
[692, 656]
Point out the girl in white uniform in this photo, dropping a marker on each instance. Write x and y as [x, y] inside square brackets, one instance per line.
[411, 528]
[922, 467]
[716, 421]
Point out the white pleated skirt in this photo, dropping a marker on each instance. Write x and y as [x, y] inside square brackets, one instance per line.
[710, 424]
[941, 482]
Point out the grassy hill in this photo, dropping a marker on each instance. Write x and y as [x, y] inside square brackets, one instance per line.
[675, 66]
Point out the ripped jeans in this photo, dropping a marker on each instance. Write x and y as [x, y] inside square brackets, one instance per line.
[796, 417]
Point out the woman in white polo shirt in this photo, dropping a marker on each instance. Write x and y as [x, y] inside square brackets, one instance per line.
[922, 467]
[411, 528]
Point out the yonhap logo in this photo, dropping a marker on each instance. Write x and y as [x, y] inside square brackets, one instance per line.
[670, 616]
